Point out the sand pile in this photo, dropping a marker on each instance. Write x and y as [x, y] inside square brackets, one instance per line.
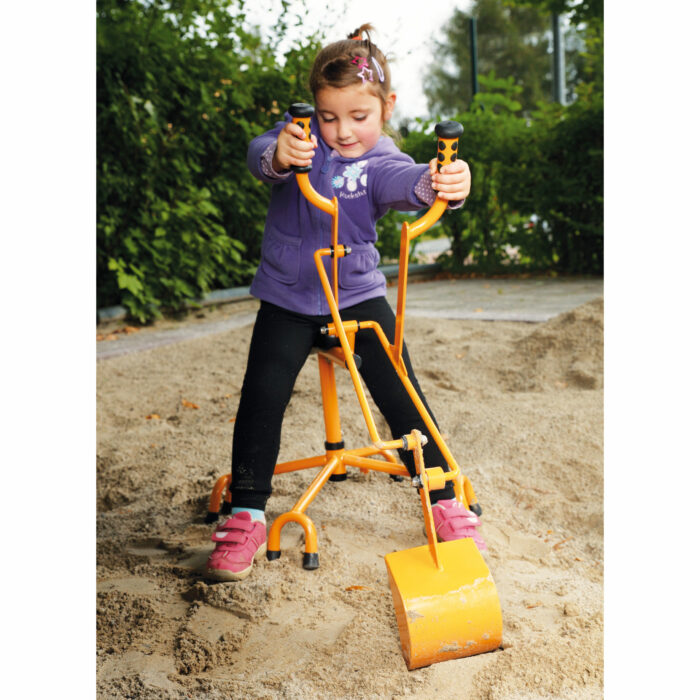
[522, 408]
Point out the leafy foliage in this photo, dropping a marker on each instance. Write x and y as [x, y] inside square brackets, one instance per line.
[586, 24]
[536, 200]
[182, 87]
[537, 167]
[567, 187]
[587, 12]
[513, 41]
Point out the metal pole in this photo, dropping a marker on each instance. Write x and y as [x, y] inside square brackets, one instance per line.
[472, 35]
[558, 76]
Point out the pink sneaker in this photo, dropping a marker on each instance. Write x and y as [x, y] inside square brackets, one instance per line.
[238, 541]
[454, 522]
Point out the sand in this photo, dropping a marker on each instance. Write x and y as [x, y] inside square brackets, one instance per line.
[521, 406]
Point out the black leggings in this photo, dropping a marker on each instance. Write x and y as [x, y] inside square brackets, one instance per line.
[279, 347]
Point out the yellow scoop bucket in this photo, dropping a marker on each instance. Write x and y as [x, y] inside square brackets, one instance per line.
[444, 596]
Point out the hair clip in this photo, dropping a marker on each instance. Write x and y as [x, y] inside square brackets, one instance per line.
[366, 74]
[365, 71]
[380, 72]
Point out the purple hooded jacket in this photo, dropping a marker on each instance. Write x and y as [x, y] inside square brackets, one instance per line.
[367, 187]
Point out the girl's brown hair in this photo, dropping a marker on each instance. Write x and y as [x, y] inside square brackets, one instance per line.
[334, 67]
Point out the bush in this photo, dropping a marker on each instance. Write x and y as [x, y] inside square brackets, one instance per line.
[536, 200]
[567, 186]
[181, 90]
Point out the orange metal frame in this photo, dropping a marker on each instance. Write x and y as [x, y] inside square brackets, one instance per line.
[333, 462]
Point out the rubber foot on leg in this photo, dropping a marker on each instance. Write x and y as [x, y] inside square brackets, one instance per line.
[273, 554]
[310, 561]
[395, 477]
[338, 477]
[211, 517]
[475, 508]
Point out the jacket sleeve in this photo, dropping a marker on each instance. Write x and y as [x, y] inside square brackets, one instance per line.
[427, 195]
[256, 150]
[394, 184]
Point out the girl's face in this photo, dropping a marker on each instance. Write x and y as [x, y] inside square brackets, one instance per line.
[351, 118]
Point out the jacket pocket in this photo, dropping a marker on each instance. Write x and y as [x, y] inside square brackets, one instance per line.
[359, 268]
[281, 256]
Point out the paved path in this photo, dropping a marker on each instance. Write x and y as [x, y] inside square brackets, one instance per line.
[147, 338]
[529, 300]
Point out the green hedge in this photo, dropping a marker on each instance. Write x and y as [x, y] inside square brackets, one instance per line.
[537, 184]
[178, 100]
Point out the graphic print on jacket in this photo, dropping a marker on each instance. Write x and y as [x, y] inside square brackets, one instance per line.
[349, 181]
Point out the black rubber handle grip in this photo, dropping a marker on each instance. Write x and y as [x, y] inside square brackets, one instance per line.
[448, 134]
[449, 130]
[301, 114]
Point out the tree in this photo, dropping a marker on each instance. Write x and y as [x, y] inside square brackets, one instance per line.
[511, 42]
[537, 182]
[580, 12]
[584, 36]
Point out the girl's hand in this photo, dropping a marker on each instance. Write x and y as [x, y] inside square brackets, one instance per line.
[453, 182]
[293, 148]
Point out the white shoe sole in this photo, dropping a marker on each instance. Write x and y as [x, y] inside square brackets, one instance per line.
[226, 575]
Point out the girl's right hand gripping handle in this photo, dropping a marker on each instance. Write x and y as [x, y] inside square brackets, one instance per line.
[301, 114]
[448, 134]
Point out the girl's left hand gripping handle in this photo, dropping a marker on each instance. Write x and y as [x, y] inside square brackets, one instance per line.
[301, 116]
[448, 134]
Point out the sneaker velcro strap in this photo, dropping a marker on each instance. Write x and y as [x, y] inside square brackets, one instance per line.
[238, 524]
[459, 514]
[472, 518]
[458, 520]
[231, 536]
[453, 525]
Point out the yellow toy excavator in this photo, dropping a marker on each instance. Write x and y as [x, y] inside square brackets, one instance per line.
[444, 596]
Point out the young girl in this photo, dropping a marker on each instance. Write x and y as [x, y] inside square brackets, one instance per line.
[364, 169]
